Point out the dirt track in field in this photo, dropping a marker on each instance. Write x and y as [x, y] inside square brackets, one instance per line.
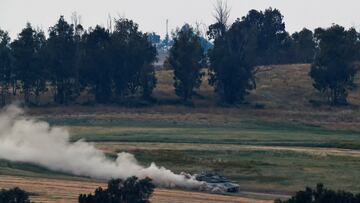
[66, 191]
[112, 147]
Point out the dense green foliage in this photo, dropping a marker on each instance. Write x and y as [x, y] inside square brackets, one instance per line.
[28, 51]
[232, 63]
[260, 38]
[132, 190]
[6, 61]
[109, 65]
[257, 39]
[271, 39]
[117, 63]
[322, 195]
[186, 58]
[132, 58]
[303, 46]
[333, 69]
[61, 50]
[96, 59]
[15, 195]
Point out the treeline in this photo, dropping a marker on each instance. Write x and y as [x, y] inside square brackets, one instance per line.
[116, 64]
[108, 64]
[260, 38]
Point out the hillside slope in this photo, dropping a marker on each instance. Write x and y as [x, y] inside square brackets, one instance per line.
[278, 86]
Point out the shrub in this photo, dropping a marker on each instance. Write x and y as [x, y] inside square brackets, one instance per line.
[132, 190]
[322, 195]
[15, 195]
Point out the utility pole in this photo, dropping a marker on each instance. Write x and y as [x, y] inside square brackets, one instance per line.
[167, 27]
[167, 33]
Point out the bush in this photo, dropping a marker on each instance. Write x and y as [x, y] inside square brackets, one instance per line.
[322, 195]
[15, 195]
[132, 190]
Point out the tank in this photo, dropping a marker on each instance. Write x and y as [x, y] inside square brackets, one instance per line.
[217, 183]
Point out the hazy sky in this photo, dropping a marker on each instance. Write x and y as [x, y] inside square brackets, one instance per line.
[151, 15]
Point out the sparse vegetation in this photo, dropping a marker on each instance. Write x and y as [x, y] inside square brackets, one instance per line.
[322, 195]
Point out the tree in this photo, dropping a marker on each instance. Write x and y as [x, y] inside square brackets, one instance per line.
[222, 12]
[232, 62]
[132, 56]
[221, 15]
[61, 48]
[132, 190]
[333, 70]
[29, 67]
[272, 38]
[96, 66]
[78, 40]
[322, 195]
[146, 54]
[304, 46]
[147, 81]
[186, 58]
[15, 195]
[6, 61]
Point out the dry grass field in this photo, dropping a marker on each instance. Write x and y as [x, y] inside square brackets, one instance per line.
[67, 191]
[277, 149]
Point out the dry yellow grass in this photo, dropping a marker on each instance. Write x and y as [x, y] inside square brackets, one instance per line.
[66, 191]
[278, 86]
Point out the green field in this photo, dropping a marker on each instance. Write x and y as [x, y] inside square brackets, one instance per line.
[242, 132]
[281, 149]
[196, 146]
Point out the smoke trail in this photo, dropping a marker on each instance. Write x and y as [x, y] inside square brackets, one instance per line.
[26, 139]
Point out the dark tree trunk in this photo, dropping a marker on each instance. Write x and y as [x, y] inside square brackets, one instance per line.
[27, 96]
[3, 97]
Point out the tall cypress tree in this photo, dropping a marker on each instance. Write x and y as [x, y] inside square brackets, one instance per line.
[132, 56]
[5, 66]
[304, 46]
[97, 71]
[187, 58]
[29, 67]
[61, 48]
